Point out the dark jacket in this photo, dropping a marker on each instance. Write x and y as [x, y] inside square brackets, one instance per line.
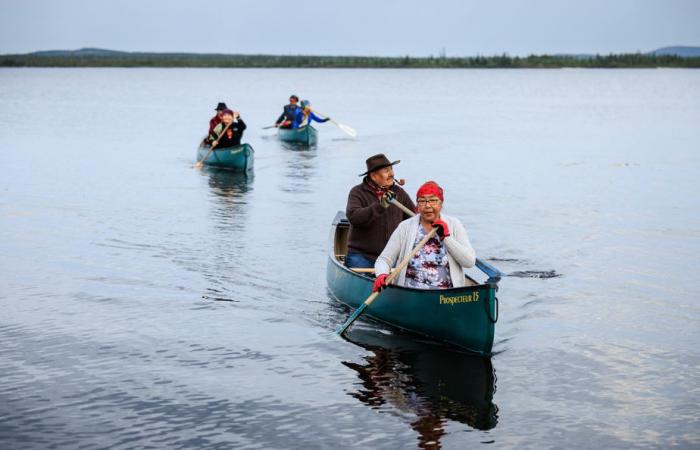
[231, 137]
[371, 224]
[288, 113]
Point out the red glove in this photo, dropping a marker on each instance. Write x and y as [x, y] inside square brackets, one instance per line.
[379, 283]
[442, 230]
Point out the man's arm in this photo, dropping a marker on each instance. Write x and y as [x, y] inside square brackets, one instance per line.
[359, 214]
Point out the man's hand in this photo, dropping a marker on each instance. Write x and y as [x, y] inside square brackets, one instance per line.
[386, 198]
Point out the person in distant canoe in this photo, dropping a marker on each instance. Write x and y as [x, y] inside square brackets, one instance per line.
[440, 263]
[217, 118]
[305, 115]
[286, 119]
[372, 219]
[233, 134]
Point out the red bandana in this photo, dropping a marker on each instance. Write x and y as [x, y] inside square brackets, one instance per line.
[430, 188]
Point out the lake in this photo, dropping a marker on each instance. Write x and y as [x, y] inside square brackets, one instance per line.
[148, 304]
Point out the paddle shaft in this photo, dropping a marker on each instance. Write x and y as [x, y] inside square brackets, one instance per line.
[395, 273]
[365, 270]
[346, 129]
[200, 163]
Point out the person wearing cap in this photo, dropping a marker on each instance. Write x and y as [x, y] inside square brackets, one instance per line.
[289, 112]
[305, 115]
[217, 118]
[234, 132]
[441, 262]
[368, 210]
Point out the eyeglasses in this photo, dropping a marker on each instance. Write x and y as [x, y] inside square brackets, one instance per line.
[429, 201]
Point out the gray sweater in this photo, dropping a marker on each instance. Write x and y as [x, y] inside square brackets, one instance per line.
[460, 253]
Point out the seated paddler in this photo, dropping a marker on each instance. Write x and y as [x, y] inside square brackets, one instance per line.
[229, 132]
[440, 263]
[372, 218]
[305, 115]
[289, 112]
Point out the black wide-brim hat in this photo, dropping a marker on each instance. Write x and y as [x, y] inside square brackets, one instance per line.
[221, 106]
[377, 162]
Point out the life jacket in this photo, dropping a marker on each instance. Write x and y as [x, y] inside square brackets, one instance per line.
[290, 112]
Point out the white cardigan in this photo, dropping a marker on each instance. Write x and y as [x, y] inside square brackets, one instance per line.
[460, 253]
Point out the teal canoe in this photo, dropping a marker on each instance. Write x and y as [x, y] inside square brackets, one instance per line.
[464, 316]
[238, 158]
[307, 135]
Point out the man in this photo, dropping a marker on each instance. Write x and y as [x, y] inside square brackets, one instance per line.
[289, 112]
[233, 134]
[217, 118]
[372, 219]
[440, 263]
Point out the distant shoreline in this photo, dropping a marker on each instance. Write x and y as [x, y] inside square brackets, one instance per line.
[109, 58]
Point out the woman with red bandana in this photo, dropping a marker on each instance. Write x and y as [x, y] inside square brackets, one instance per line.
[441, 262]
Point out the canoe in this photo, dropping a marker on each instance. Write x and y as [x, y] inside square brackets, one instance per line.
[464, 316]
[238, 158]
[307, 135]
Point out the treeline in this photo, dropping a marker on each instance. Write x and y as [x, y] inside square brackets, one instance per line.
[125, 59]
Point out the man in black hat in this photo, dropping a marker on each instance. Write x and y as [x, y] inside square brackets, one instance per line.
[217, 118]
[371, 219]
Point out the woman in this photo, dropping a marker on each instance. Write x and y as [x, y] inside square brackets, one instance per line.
[440, 263]
[233, 134]
[304, 116]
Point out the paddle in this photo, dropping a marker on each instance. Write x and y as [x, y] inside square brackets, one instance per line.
[395, 273]
[348, 130]
[485, 267]
[200, 163]
[277, 125]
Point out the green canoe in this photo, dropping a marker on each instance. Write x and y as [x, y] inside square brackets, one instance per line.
[238, 158]
[464, 316]
[307, 135]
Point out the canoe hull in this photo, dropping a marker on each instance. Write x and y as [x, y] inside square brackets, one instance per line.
[306, 136]
[239, 158]
[464, 317]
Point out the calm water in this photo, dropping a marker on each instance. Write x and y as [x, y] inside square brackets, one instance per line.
[147, 304]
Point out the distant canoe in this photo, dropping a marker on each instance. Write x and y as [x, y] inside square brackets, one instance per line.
[463, 316]
[307, 135]
[238, 158]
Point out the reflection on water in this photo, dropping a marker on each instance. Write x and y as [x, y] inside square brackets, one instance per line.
[299, 146]
[300, 164]
[226, 183]
[229, 189]
[227, 247]
[436, 383]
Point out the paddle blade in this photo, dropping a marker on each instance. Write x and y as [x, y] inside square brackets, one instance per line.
[351, 319]
[348, 130]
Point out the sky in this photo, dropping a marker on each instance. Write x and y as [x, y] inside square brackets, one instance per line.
[357, 27]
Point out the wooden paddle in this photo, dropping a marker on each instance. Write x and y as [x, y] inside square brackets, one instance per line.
[365, 269]
[348, 130]
[395, 273]
[200, 163]
[485, 267]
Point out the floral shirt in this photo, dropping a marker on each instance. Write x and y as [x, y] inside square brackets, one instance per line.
[430, 268]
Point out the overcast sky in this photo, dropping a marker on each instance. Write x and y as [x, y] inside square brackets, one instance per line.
[357, 27]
